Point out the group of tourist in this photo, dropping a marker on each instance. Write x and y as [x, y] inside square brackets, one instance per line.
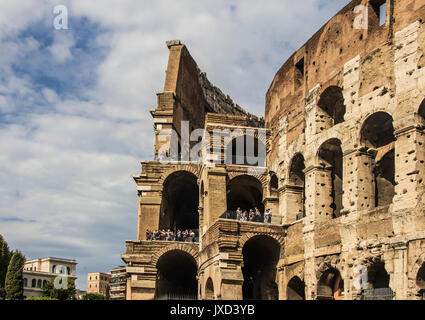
[254, 215]
[170, 235]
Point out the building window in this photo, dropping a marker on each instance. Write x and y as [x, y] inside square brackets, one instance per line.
[54, 269]
[39, 283]
[25, 282]
[33, 283]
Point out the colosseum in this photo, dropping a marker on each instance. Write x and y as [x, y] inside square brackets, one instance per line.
[343, 173]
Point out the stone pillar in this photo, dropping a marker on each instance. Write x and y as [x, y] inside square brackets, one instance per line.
[292, 202]
[409, 176]
[318, 191]
[148, 214]
[215, 201]
[309, 258]
[231, 285]
[399, 281]
[273, 204]
[359, 182]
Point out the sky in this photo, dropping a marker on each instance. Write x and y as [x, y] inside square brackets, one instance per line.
[74, 119]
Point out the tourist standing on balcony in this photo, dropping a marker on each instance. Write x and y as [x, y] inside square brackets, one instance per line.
[251, 215]
[239, 214]
[148, 235]
[267, 216]
[179, 236]
[257, 215]
[192, 236]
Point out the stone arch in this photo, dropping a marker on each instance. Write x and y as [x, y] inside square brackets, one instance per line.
[262, 231]
[186, 167]
[379, 120]
[261, 254]
[180, 201]
[261, 178]
[245, 191]
[295, 289]
[421, 110]
[209, 290]
[332, 106]
[176, 275]
[377, 135]
[192, 251]
[330, 158]
[417, 277]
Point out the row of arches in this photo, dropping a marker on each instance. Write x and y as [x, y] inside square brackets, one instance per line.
[177, 272]
[35, 283]
[181, 199]
[377, 142]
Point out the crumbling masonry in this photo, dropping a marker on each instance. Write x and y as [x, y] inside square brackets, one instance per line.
[345, 173]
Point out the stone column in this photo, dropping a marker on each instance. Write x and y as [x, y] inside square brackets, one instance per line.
[148, 214]
[318, 192]
[215, 201]
[292, 204]
[358, 182]
[409, 176]
[399, 281]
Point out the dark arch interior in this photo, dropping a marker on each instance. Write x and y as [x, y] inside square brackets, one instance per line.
[378, 130]
[244, 192]
[274, 182]
[246, 151]
[421, 111]
[329, 283]
[330, 155]
[176, 276]
[260, 256]
[180, 202]
[209, 290]
[295, 289]
[332, 102]
[420, 278]
[378, 277]
[296, 174]
[384, 173]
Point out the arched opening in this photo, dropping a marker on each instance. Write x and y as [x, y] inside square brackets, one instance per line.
[378, 283]
[330, 157]
[68, 270]
[297, 187]
[176, 276]
[209, 290]
[39, 283]
[331, 107]
[44, 283]
[330, 285]
[54, 269]
[25, 282]
[274, 182]
[377, 134]
[33, 283]
[245, 192]
[421, 110]
[180, 202]
[384, 173]
[260, 258]
[295, 289]
[420, 282]
[246, 151]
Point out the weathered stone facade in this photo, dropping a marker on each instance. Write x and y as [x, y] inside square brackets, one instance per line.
[344, 177]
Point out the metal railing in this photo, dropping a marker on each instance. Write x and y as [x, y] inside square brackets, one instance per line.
[178, 297]
[378, 294]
